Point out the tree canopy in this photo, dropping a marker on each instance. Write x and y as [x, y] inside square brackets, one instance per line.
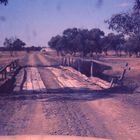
[14, 43]
[86, 41]
[128, 24]
[78, 40]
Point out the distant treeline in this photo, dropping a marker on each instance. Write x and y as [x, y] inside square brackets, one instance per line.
[16, 44]
[86, 41]
[32, 48]
[92, 42]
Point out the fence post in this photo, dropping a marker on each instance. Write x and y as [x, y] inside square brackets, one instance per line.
[72, 62]
[69, 62]
[91, 69]
[65, 64]
[5, 74]
[61, 61]
[79, 69]
[11, 67]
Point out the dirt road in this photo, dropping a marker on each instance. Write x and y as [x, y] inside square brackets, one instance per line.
[70, 105]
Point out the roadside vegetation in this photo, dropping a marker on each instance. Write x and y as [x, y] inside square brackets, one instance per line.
[14, 45]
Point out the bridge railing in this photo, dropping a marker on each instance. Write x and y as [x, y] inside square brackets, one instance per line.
[9, 69]
[91, 66]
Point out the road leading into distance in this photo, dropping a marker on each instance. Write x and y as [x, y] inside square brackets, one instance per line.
[64, 103]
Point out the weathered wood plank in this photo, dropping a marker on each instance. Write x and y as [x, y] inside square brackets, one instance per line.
[33, 81]
[19, 81]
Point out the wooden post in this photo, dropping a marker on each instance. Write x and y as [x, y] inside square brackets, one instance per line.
[79, 65]
[69, 62]
[61, 61]
[64, 61]
[111, 83]
[5, 74]
[72, 62]
[120, 79]
[124, 71]
[11, 66]
[2, 75]
[15, 63]
[91, 69]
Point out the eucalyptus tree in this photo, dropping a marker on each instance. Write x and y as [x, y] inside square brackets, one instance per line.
[128, 23]
[13, 44]
[75, 40]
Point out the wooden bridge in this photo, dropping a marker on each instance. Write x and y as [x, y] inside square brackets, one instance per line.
[93, 68]
[32, 80]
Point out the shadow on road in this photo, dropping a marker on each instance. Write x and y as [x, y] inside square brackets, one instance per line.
[66, 94]
[42, 66]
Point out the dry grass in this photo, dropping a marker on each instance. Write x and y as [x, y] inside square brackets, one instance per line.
[6, 58]
[132, 77]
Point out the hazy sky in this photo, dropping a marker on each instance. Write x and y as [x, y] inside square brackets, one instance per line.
[36, 21]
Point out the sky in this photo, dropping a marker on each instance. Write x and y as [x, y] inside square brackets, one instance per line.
[36, 21]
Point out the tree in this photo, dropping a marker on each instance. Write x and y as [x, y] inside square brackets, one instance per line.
[13, 44]
[96, 36]
[128, 24]
[75, 40]
[18, 44]
[115, 41]
[56, 43]
[8, 43]
[132, 46]
[105, 43]
[122, 23]
[72, 40]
